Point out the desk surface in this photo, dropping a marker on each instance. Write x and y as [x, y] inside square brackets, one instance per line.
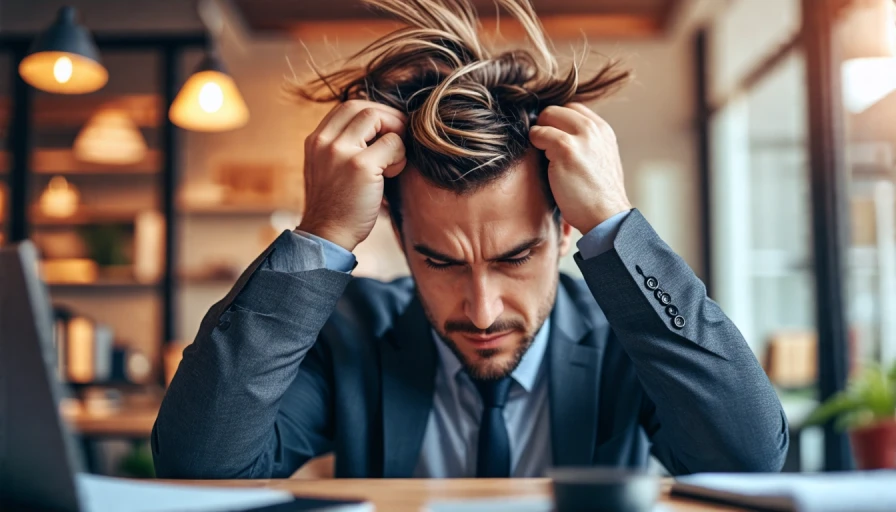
[412, 495]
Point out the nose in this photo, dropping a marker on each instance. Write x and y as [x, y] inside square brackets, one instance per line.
[483, 304]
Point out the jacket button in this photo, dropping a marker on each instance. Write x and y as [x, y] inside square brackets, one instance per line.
[658, 293]
[665, 299]
[651, 283]
[672, 311]
[678, 322]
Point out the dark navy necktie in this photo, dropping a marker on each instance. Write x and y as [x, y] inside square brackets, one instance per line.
[493, 456]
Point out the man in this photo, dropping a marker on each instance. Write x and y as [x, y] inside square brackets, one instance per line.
[487, 362]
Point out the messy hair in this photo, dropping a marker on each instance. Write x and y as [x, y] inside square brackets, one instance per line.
[469, 109]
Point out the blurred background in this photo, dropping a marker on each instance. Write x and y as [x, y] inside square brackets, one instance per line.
[149, 151]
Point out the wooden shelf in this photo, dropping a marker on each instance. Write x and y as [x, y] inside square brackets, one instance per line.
[84, 217]
[105, 284]
[63, 111]
[63, 161]
[231, 209]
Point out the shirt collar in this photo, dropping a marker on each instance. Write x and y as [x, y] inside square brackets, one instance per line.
[525, 373]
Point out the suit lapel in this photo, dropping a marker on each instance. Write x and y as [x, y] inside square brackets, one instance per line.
[574, 382]
[408, 379]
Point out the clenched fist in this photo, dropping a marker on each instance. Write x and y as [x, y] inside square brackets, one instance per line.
[346, 159]
[584, 168]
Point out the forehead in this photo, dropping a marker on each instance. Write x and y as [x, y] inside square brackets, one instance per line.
[514, 204]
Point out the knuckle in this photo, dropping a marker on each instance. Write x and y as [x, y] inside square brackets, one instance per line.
[566, 141]
[356, 163]
[332, 150]
[367, 114]
[313, 143]
[351, 105]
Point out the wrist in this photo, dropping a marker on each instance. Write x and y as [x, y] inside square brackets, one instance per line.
[599, 215]
[328, 233]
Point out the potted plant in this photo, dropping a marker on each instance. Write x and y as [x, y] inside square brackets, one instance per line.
[867, 410]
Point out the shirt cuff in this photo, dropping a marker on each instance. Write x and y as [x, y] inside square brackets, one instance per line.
[600, 239]
[335, 257]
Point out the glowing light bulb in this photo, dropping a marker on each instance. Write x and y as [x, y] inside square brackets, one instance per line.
[211, 97]
[62, 70]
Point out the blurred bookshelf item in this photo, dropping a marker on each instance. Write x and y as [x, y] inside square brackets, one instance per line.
[84, 348]
[69, 271]
[149, 246]
[242, 188]
[791, 359]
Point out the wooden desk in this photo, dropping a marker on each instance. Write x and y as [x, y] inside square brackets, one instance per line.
[412, 495]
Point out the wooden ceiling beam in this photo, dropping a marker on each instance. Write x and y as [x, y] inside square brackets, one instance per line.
[557, 27]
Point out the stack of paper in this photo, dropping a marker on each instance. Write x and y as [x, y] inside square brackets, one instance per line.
[862, 491]
[103, 494]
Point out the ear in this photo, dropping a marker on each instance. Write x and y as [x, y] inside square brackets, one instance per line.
[565, 237]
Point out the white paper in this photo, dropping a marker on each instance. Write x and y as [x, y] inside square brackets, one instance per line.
[861, 491]
[104, 494]
[534, 504]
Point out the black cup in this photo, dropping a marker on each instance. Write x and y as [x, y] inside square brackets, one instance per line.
[603, 490]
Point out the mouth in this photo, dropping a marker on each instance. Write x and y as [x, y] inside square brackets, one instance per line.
[483, 341]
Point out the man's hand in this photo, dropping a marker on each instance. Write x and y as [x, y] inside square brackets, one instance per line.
[584, 168]
[344, 171]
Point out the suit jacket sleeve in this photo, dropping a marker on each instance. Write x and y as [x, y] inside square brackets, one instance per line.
[221, 416]
[709, 406]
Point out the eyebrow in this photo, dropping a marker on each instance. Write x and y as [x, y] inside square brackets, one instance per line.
[432, 253]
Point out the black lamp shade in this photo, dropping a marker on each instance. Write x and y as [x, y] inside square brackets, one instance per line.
[64, 59]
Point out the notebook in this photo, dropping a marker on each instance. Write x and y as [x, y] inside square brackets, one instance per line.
[860, 491]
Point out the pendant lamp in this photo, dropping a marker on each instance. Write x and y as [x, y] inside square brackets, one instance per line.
[868, 38]
[110, 137]
[60, 199]
[64, 59]
[209, 101]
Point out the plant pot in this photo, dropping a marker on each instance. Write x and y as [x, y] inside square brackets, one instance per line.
[874, 446]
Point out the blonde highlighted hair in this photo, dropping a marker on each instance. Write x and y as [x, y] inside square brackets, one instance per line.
[469, 109]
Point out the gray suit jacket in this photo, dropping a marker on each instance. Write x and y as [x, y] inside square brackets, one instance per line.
[296, 363]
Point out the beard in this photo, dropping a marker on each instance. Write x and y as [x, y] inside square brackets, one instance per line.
[488, 366]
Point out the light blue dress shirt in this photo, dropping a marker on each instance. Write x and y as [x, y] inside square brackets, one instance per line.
[452, 431]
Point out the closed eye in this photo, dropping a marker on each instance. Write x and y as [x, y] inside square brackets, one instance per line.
[438, 265]
[517, 261]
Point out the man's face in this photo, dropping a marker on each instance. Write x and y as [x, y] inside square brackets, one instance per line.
[485, 264]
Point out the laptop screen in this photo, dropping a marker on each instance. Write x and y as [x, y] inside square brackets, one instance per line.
[38, 458]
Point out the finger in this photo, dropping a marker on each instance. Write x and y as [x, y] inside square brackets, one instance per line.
[387, 154]
[566, 119]
[590, 114]
[369, 123]
[548, 138]
[395, 169]
[342, 115]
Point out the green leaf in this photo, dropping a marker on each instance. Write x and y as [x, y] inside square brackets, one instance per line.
[870, 396]
[839, 404]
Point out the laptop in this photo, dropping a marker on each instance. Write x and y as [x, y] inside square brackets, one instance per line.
[41, 467]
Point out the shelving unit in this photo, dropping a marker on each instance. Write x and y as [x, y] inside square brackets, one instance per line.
[144, 78]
